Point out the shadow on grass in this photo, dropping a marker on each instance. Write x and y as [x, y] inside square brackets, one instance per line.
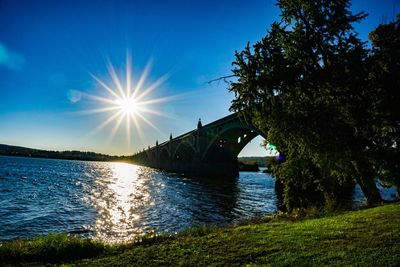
[50, 248]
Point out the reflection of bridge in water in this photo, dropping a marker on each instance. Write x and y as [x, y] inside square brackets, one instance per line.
[209, 150]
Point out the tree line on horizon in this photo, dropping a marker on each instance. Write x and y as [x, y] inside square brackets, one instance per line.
[326, 99]
[7, 150]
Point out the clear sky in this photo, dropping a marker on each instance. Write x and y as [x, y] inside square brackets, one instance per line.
[50, 50]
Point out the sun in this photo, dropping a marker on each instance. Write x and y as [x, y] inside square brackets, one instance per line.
[127, 100]
[128, 106]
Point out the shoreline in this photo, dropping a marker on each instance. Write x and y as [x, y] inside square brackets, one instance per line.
[368, 236]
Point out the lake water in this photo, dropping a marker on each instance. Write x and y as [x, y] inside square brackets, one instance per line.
[118, 201]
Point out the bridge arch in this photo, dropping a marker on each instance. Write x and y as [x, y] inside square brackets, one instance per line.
[165, 155]
[185, 151]
[228, 143]
[151, 156]
[144, 158]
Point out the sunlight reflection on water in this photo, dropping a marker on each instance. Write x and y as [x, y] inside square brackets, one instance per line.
[118, 195]
[118, 201]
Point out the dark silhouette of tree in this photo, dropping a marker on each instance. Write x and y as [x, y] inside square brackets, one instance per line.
[309, 85]
[384, 79]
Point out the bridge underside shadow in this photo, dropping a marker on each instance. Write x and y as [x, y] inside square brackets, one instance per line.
[210, 150]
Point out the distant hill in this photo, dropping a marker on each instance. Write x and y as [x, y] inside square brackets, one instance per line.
[7, 150]
[260, 160]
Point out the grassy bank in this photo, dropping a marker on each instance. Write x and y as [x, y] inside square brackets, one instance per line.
[369, 237]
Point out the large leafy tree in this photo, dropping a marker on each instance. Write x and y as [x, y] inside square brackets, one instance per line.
[384, 79]
[304, 85]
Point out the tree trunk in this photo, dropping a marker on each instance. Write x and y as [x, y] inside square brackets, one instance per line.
[279, 190]
[366, 180]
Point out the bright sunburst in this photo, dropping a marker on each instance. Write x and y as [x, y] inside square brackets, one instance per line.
[127, 105]
[127, 100]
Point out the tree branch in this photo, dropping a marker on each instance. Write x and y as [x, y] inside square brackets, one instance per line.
[222, 78]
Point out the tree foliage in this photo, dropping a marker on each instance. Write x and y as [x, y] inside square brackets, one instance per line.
[384, 71]
[311, 86]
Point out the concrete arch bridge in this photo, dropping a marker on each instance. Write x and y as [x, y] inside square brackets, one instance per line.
[209, 150]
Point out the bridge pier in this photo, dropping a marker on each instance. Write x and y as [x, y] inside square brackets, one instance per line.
[205, 169]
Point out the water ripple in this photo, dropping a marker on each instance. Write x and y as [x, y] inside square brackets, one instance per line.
[118, 201]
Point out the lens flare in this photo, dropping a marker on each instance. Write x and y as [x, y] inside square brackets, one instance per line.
[127, 100]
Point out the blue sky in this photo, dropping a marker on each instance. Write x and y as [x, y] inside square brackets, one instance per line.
[48, 49]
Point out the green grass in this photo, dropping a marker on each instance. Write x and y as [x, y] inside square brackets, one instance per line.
[369, 237]
[50, 248]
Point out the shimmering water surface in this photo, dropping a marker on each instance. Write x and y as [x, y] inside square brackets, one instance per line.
[118, 201]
